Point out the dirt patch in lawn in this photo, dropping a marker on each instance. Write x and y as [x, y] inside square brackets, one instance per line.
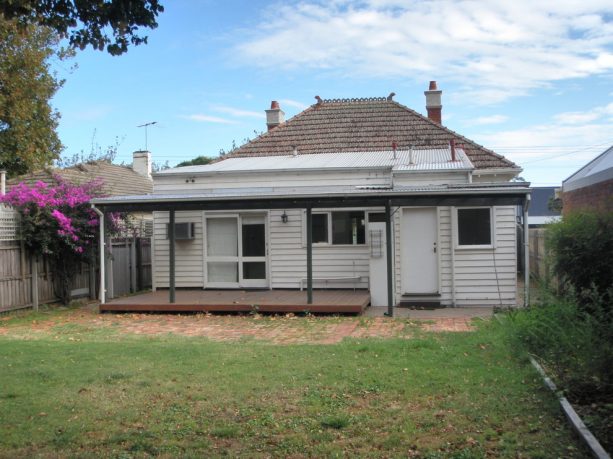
[76, 324]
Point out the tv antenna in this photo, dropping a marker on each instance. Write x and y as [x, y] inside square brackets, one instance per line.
[146, 125]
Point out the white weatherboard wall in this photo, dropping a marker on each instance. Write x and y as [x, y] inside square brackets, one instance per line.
[483, 277]
[181, 184]
[288, 256]
[188, 254]
[482, 273]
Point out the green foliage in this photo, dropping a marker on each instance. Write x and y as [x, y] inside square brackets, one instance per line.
[28, 139]
[582, 249]
[96, 153]
[554, 204]
[110, 24]
[198, 161]
[576, 345]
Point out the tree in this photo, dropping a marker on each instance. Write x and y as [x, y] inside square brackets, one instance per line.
[110, 24]
[28, 139]
[57, 222]
[199, 161]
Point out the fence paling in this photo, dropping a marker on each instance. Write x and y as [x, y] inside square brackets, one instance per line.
[16, 279]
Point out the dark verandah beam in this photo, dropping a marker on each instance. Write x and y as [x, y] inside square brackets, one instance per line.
[171, 256]
[309, 247]
[388, 247]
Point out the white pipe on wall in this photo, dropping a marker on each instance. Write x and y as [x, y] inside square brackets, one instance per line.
[102, 257]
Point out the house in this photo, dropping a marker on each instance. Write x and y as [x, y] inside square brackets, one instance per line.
[361, 194]
[116, 179]
[591, 187]
[541, 210]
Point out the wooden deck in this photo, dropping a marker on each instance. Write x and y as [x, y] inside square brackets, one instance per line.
[324, 301]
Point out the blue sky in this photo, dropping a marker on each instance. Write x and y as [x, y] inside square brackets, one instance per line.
[532, 80]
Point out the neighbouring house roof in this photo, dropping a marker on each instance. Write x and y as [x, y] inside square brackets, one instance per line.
[539, 202]
[598, 170]
[363, 125]
[418, 160]
[540, 213]
[117, 180]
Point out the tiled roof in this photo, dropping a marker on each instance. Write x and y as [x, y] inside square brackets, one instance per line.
[362, 125]
[117, 180]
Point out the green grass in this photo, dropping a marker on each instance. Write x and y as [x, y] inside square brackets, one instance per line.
[455, 395]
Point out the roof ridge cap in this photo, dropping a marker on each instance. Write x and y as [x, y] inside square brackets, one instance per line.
[354, 99]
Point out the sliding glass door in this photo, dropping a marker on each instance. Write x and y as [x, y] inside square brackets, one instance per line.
[236, 251]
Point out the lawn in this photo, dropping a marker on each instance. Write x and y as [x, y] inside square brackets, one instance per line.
[78, 392]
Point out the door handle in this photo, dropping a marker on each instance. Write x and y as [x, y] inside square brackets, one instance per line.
[434, 248]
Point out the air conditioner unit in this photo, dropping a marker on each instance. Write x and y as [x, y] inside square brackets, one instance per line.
[183, 231]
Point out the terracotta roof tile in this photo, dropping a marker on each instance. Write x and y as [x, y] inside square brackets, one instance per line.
[350, 125]
[117, 180]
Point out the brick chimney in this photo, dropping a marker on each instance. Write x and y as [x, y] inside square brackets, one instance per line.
[141, 163]
[275, 115]
[433, 103]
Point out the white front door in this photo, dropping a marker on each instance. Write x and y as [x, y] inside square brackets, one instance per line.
[236, 251]
[378, 259]
[418, 247]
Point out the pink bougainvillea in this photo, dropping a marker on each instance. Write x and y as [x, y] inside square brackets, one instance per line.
[57, 222]
[56, 218]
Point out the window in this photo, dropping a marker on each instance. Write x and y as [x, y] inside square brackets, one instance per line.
[339, 228]
[475, 226]
[348, 228]
[320, 228]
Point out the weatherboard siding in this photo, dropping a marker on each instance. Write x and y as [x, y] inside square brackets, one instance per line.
[288, 256]
[204, 184]
[188, 254]
[181, 184]
[489, 276]
[479, 273]
[431, 178]
[483, 277]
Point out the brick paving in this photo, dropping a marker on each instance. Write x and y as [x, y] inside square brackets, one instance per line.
[280, 329]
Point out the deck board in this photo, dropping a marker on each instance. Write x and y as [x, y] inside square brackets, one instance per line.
[330, 301]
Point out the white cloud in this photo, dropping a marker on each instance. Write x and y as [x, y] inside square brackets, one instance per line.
[584, 117]
[494, 49]
[239, 113]
[293, 104]
[568, 138]
[208, 119]
[492, 119]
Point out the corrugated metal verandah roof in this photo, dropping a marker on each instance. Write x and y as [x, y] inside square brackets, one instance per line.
[431, 159]
[337, 196]
[366, 125]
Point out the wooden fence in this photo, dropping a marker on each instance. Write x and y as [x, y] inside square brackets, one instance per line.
[539, 262]
[26, 283]
[20, 289]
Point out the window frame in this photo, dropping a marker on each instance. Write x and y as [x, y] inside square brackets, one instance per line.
[328, 214]
[456, 224]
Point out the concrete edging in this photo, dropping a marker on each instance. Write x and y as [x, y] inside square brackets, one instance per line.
[575, 420]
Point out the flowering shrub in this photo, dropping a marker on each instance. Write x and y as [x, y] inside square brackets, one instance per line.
[57, 222]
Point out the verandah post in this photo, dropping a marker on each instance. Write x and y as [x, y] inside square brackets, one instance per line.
[309, 243]
[388, 246]
[171, 255]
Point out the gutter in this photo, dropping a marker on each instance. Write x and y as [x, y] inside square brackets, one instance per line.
[211, 197]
